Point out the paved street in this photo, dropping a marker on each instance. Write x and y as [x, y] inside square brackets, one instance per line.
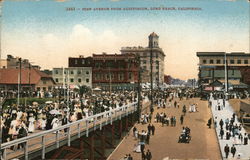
[164, 143]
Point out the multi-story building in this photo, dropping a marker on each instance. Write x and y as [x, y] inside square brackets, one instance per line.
[115, 71]
[73, 76]
[80, 61]
[145, 57]
[212, 68]
[14, 62]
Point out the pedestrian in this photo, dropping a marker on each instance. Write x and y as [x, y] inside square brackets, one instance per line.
[149, 129]
[226, 150]
[148, 155]
[134, 130]
[142, 147]
[143, 156]
[130, 157]
[245, 139]
[221, 123]
[182, 119]
[209, 122]
[153, 129]
[233, 150]
[221, 133]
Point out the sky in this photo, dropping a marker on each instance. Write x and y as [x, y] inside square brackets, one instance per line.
[46, 32]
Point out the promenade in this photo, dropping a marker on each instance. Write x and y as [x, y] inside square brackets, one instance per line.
[243, 151]
[164, 144]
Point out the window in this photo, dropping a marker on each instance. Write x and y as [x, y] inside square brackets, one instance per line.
[157, 67]
[245, 61]
[232, 61]
[211, 61]
[44, 88]
[83, 62]
[218, 61]
[44, 82]
[56, 71]
[64, 72]
[79, 72]
[130, 76]
[71, 72]
[204, 61]
[87, 80]
[71, 80]
[144, 61]
[87, 72]
[145, 67]
[238, 61]
[56, 80]
[38, 88]
[79, 80]
[75, 61]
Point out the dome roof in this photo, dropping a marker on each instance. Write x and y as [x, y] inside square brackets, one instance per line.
[153, 34]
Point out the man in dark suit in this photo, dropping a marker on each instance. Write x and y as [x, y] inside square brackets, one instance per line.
[233, 150]
[226, 150]
[148, 155]
[65, 121]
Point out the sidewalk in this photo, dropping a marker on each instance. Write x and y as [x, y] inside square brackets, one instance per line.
[227, 112]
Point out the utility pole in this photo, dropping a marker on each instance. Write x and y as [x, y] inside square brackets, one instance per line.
[151, 75]
[139, 88]
[226, 77]
[19, 81]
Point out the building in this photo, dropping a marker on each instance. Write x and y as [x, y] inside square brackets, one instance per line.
[145, 54]
[30, 79]
[80, 61]
[167, 79]
[115, 71]
[212, 68]
[14, 62]
[73, 76]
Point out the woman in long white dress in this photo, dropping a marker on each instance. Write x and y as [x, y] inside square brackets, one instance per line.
[55, 123]
[31, 127]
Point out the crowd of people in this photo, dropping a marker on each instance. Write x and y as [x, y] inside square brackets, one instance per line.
[20, 121]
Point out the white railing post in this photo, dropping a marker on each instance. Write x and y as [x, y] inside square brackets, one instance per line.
[101, 125]
[43, 147]
[87, 128]
[111, 118]
[79, 131]
[95, 123]
[107, 117]
[69, 136]
[5, 153]
[57, 139]
[26, 151]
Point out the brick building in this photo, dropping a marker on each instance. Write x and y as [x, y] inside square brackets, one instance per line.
[115, 71]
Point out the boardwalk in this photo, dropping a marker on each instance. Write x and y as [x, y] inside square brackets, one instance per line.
[204, 144]
[41, 140]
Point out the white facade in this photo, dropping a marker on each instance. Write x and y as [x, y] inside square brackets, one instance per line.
[74, 76]
[158, 57]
